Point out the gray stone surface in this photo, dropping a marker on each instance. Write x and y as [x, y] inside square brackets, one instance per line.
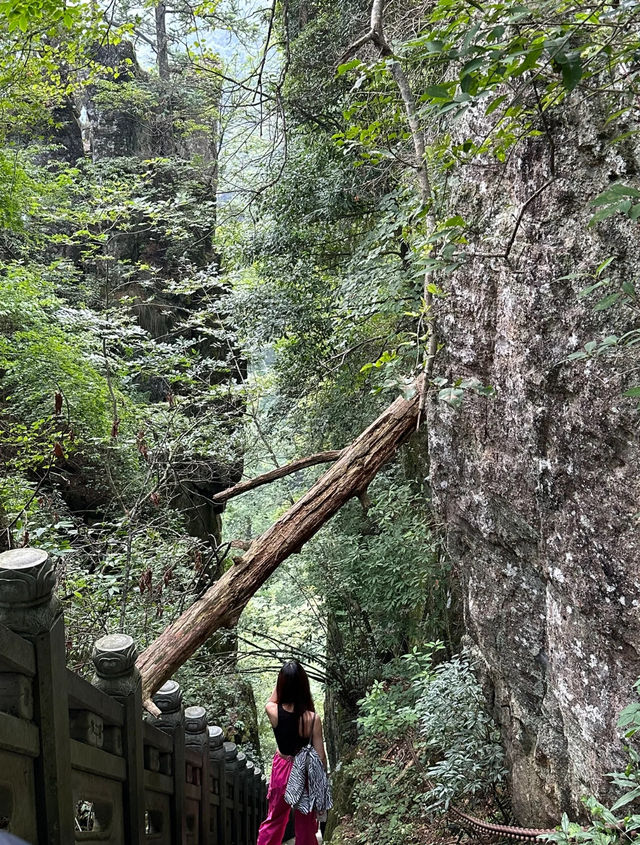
[538, 487]
[114, 658]
[168, 700]
[27, 603]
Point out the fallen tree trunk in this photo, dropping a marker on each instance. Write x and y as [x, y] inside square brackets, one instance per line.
[223, 603]
[273, 474]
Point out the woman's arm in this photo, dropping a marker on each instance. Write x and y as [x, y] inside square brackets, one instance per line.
[272, 708]
[318, 742]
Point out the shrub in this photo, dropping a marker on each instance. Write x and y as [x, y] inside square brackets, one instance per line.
[460, 740]
[425, 739]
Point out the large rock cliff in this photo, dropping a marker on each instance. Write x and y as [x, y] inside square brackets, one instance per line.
[539, 486]
[163, 134]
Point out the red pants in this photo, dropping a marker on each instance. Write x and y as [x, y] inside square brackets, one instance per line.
[273, 827]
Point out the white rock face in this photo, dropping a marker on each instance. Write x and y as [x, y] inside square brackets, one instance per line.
[542, 480]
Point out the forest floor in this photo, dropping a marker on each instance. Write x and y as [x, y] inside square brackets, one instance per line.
[425, 834]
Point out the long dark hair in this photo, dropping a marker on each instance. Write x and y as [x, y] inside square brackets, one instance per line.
[293, 688]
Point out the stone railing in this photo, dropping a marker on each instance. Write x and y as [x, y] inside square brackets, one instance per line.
[78, 763]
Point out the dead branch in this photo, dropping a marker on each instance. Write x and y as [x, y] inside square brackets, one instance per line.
[274, 474]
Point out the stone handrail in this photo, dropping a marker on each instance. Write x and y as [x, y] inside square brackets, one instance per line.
[78, 763]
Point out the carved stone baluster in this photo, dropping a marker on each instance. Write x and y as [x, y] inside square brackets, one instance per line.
[196, 735]
[231, 766]
[114, 658]
[168, 700]
[249, 803]
[219, 797]
[195, 728]
[29, 607]
[27, 603]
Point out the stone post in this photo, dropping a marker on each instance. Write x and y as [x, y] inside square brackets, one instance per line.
[168, 700]
[257, 792]
[250, 803]
[29, 608]
[241, 797]
[195, 728]
[231, 766]
[197, 738]
[114, 658]
[219, 796]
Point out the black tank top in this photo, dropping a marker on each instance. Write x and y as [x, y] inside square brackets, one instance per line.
[287, 733]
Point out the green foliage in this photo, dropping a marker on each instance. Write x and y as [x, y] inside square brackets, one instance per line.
[385, 582]
[460, 739]
[123, 387]
[338, 279]
[26, 15]
[386, 772]
[618, 198]
[227, 695]
[425, 739]
[609, 290]
[486, 79]
[117, 410]
[385, 799]
[389, 708]
[41, 42]
[14, 189]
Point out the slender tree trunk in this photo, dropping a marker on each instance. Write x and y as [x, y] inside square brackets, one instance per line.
[164, 143]
[162, 42]
[223, 603]
[377, 37]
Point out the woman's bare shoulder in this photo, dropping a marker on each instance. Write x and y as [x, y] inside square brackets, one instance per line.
[271, 708]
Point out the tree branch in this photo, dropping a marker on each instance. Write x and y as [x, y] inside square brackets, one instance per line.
[272, 475]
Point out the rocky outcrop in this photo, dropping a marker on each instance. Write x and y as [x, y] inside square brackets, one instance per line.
[539, 486]
[161, 136]
[117, 109]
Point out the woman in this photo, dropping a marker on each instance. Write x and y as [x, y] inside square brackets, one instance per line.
[292, 715]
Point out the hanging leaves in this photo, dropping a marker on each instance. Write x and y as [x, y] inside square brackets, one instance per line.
[144, 582]
[571, 68]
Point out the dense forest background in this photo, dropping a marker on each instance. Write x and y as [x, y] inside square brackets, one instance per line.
[230, 237]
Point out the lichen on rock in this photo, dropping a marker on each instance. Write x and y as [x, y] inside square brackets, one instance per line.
[538, 486]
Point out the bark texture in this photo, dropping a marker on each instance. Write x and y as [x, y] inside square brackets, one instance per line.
[538, 487]
[223, 603]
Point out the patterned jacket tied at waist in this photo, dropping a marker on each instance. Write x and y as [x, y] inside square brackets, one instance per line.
[308, 785]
